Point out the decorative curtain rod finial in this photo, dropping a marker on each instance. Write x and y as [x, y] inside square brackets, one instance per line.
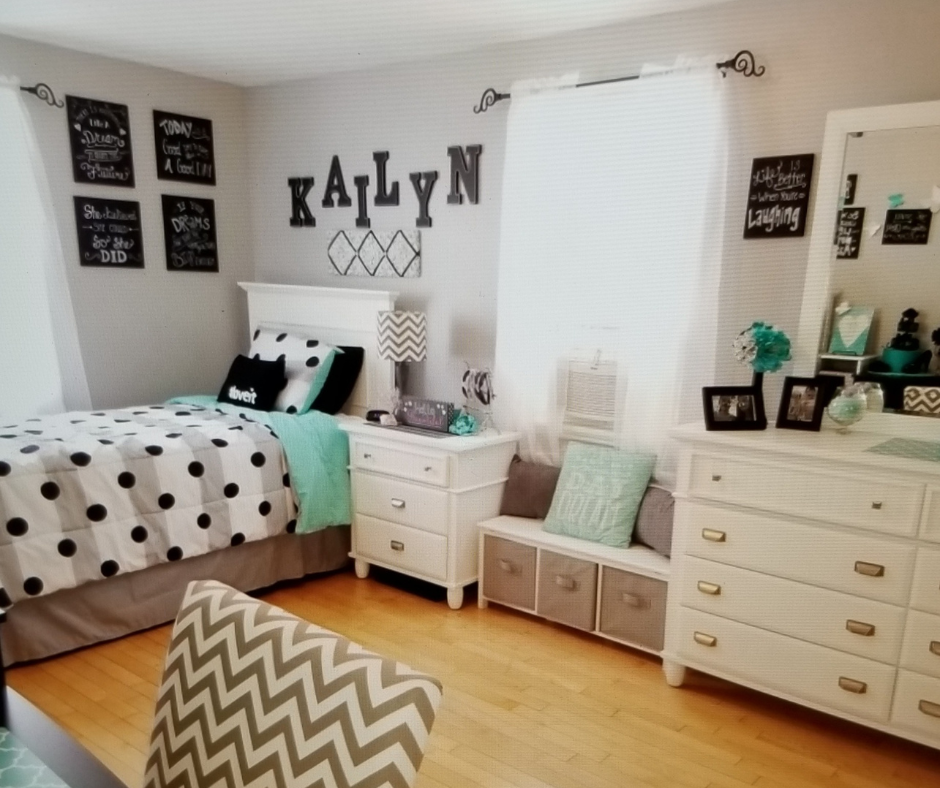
[488, 99]
[42, 91]
[743, 63]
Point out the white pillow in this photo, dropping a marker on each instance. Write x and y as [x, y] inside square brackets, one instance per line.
[305, 363]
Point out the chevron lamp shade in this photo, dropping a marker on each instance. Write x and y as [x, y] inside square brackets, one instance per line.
[403, 336]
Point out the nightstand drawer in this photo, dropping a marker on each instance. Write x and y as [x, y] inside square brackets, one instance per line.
[402, 547]
[401, 502]
[925, 593]
[917, 704]
[840, 621]
[567, 590]
[420, 466]
[921, 649]
[862, 502]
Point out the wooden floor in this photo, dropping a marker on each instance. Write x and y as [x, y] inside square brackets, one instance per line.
[527, 704]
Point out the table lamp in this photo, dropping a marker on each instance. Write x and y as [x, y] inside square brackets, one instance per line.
[402, 336]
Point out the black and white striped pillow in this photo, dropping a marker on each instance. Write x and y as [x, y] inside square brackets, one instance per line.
[306, 364]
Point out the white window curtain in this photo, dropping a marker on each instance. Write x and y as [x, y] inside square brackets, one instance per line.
[610, 242]
[41, 369]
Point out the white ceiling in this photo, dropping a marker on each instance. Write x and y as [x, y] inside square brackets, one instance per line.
[258, 42]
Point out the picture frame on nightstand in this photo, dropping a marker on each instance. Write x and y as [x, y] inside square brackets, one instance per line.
[734, 408]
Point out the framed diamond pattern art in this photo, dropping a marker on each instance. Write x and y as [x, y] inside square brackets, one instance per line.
[394, 253]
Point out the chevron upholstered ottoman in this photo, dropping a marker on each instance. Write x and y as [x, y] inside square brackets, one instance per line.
[253, 696]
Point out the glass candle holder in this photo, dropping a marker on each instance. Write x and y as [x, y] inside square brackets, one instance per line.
[847, 407]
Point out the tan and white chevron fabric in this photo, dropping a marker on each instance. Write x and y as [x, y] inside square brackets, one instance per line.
[402, 336]
[922, 399]
[253, 697]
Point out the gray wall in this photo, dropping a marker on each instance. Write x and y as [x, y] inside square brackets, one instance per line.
[149, 334]
[819, 56]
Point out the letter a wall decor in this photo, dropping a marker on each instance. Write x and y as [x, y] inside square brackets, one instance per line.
[377, 253]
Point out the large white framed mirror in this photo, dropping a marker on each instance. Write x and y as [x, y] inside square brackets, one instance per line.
[891, 150]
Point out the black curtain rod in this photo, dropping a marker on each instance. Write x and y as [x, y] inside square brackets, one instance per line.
[742, 63]
[42, 91]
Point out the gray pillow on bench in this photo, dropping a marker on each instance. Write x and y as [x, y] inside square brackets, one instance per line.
[654, 520]
[529, 489]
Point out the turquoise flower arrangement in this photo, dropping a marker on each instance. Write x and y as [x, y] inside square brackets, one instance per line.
[763, 348]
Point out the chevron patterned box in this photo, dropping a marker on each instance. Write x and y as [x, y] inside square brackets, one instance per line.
[922, 399]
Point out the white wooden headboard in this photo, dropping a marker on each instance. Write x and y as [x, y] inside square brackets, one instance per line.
[337, 316]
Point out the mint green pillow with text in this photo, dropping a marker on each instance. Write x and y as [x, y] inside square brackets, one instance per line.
[599, 493]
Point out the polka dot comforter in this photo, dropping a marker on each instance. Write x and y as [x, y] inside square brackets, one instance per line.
[84, 496]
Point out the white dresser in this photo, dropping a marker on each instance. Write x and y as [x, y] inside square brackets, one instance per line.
[809, 568]
[417, 500]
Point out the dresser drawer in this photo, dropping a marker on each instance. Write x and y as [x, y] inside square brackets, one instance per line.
[925, 593]
[817, 674]
[509, 572]
[567, 590]
[633, 608]
[862, 502]
[840, 621]
[421, 466]
[930, 525]
[401, 547]
[854, 563]
[921, 649]
[917, 704]
[401, 502]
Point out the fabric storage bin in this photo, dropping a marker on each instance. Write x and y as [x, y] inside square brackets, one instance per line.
[509, 572]
[567, 590]
[633, 608]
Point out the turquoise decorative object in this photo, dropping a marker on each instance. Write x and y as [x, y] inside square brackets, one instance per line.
[850, 330]
[762, 347]
[463, 424]
[898, 359]
[848, 406]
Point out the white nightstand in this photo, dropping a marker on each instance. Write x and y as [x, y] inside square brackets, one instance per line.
[417, 500]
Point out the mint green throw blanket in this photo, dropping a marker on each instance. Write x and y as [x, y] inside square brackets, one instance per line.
[317, 454]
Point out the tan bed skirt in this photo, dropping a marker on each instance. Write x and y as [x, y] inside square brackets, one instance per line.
[107, 609]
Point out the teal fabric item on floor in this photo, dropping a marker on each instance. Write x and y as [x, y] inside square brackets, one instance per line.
[20, 768]
[316, 446]
[909, 449]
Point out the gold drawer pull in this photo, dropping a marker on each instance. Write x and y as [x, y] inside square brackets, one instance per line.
[876, 504]
[869, 570]
[853, 685]
[935, 647]
[563, 581]
[709, 588]
[716, 477]
[636, 601]
[507, 566]
[398, 503]
[705, 640]
[929, 708]
[860, 628]
[398, 547]
[711, 535]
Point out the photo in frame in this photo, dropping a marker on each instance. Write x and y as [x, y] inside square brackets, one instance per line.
[734, 408]
[803, 402]
[850, 328]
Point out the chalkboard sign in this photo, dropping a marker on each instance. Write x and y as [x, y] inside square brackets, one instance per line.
[184, 148]
[906, 226]
[100, 134]
[849, 233]
[778, 196]
[189, 233]
[109, 233]
[848, 191]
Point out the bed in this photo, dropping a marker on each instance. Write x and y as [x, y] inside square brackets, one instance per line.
[107, 515]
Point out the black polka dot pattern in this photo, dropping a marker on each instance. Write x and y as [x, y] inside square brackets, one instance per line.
[256, 334]
[17, 526]
[174, 553]
[264, 508]
[127, 480]
[29, 449]
[166, 501]
[258, 459]
[291, 410]
[80, 459]
[5, 600]
[313, 342]
[155, 451]
[96, 512]
[286, 480]
[50, 491]
[196, 469]
[203, 521]
[67, 548]
[33, 586]
[280, 337]
[5, 468]
[219, 442]
[105, 442]
[110, 568]
[313, 361]
[230, 490]
[139, 534]
[292, 526]
[182, 413]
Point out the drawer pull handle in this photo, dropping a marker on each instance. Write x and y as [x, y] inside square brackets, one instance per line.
[398, 547]
[507, 566]
[935, 647]
[876, 504]
[563, 581]
[705, 640]
[853, 685]
[870, 570]
[398, 503]
[716, 477]
[860, 628]
[366, 456]
[709, 588]
[711, 535]
[428, 468]
[929, 708]
[639, 602]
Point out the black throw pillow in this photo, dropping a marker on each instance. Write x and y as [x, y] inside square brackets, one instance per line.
[253, 383]
[340, 381]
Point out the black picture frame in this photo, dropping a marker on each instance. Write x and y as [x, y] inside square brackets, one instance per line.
[189, 234]
[100, 140]
[802, 403]
[109, 232]
[722, 408]
[184, 148]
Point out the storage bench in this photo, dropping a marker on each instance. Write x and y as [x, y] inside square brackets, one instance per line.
[618, 593]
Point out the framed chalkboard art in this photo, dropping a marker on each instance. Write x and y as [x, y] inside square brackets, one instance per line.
[906, 226]
[184, 148]
[849, 233]
[189, 234]
[109, 233]
[100, 136]
[778, 196]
